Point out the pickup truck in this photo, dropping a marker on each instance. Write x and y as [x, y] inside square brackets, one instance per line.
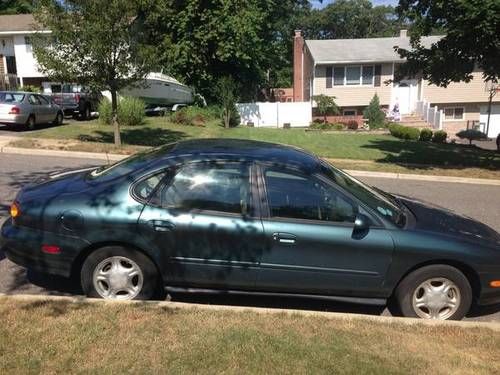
[75, 100]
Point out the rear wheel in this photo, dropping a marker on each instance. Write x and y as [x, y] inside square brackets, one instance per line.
[118, 273]
[31, 123]
[59, 119]
[434, 292]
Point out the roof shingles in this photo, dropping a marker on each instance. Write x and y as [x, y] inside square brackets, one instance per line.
[16, 23]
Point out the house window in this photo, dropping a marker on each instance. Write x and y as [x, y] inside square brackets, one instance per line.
[349, 112]
[27, 42]
[353, 75]
[454, 113]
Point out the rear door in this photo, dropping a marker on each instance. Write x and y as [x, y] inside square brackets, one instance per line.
[37, 109]
[204, 223]
[314, 248]
[46, 109]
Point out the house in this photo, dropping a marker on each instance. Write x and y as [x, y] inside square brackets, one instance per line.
[18, 66]
[353, 70]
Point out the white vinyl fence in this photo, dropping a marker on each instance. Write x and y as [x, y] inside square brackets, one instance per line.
[274, 115]
[430, 114]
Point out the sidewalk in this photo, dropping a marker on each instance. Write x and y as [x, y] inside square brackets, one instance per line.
[5, 140]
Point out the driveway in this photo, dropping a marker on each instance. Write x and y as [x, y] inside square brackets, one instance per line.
[478, 201]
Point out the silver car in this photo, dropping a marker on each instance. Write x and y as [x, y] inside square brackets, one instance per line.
[29, 109]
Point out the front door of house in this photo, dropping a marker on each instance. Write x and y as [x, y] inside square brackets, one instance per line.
[406, 96]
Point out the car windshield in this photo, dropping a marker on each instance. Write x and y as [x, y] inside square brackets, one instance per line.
[11, 97]
[130, 164]
[379, 201]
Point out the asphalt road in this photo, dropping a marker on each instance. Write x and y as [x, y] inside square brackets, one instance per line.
[478, 201]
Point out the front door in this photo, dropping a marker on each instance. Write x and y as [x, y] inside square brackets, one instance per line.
[406, 96]
[203, 222]
[314, 247]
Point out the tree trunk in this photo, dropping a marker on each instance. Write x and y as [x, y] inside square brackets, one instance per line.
[114, 111]
[324, 119]
[227, 116]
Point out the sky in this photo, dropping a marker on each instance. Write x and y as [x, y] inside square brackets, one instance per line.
[318, 4]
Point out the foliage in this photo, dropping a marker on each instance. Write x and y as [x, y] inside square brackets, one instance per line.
[471, 135]
[404, 132]
[326, 105]
[204, 40]
[472, 39]
[96, 45]
[105, 112]
[194, 115]
[350, 19]
[30, 88]
[131, 111]
[227, 96]
[374, 114]
[16, 6]
[352, 125]
[439, 136]
[326, 126]
[425, 135]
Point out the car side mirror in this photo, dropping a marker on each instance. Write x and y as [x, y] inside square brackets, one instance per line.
[361, 226]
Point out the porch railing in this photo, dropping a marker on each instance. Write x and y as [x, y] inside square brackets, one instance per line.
[431, 115]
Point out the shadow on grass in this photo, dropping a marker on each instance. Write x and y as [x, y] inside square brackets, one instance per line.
[140, 136]
[56, 308]
[424, 155]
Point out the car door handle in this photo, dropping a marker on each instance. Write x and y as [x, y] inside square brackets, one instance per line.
[285, 238]
[162, 225]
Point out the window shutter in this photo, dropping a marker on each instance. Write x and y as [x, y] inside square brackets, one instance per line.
[378, 73]
[329, 77]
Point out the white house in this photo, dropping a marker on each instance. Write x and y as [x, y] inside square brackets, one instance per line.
[18, 66]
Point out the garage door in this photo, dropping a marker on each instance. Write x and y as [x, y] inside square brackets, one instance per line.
[494, 119]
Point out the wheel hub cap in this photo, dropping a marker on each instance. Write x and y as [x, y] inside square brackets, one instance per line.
[437, 298]
[118, 278]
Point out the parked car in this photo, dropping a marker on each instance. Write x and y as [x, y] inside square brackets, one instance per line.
[76, 100]
[29, 109]
[250, 217]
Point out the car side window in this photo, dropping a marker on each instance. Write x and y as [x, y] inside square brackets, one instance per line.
[144, 188]
[208, 186]
[42, 100]
[298, 196]
[33, 100]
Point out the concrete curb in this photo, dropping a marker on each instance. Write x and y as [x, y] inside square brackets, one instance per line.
[356, 173]
[183, 306]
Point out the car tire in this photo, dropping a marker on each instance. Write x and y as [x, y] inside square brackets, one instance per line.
[434, 292]
[31, 123]
[86, 113]
[118, 273]
[59, 119]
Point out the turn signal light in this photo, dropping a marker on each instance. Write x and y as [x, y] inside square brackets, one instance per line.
[14, 210]
[495, 284]
[51, 249]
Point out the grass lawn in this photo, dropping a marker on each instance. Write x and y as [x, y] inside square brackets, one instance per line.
[61, 337]
[379, 148]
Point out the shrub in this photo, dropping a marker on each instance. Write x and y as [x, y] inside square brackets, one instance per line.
[352, 125]
[471, 135]
[326, 105]
[131, 111]
[404, 132]
[30, 88]
[374, 114]
[197, 116]
[326, 126]
[439, 136]
[425, 135]
[105, 112]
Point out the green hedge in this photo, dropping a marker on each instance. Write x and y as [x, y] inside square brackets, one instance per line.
[439, 136]
[131, 111]
[404, 132]
[425, 135]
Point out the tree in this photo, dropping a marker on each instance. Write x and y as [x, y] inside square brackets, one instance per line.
[374, 114]
[226, 90]
[93, 43]
[16, 6]
[471, 40]
[326, 105]
[205, 40]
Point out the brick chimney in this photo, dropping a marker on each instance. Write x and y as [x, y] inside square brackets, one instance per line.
[403, 33]
[298, 61]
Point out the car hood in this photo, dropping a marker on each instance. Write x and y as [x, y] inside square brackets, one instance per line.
[437, 219]
[55, 184]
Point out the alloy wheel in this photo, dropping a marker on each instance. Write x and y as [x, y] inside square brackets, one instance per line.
[118, 278]
[436, 298]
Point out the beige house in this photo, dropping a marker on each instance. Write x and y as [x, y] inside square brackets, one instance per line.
[353, 70]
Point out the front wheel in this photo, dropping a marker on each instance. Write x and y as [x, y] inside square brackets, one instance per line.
[31, 123]
[59, 119]
[434, 292]
[119, 273]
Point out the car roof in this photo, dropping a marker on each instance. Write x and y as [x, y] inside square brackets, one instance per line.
[242, 149]
[19, 92]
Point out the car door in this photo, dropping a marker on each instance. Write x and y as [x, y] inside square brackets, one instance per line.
[36, 108]
[204, 221]
[314, 246]
[46, 109]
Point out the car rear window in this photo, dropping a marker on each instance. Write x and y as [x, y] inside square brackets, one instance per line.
[9, 97]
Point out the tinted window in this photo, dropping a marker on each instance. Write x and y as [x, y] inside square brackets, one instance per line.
[200, 186]
[43, 100]
[32, 99]
[8, 97]
[293, 195]
[145, 188]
